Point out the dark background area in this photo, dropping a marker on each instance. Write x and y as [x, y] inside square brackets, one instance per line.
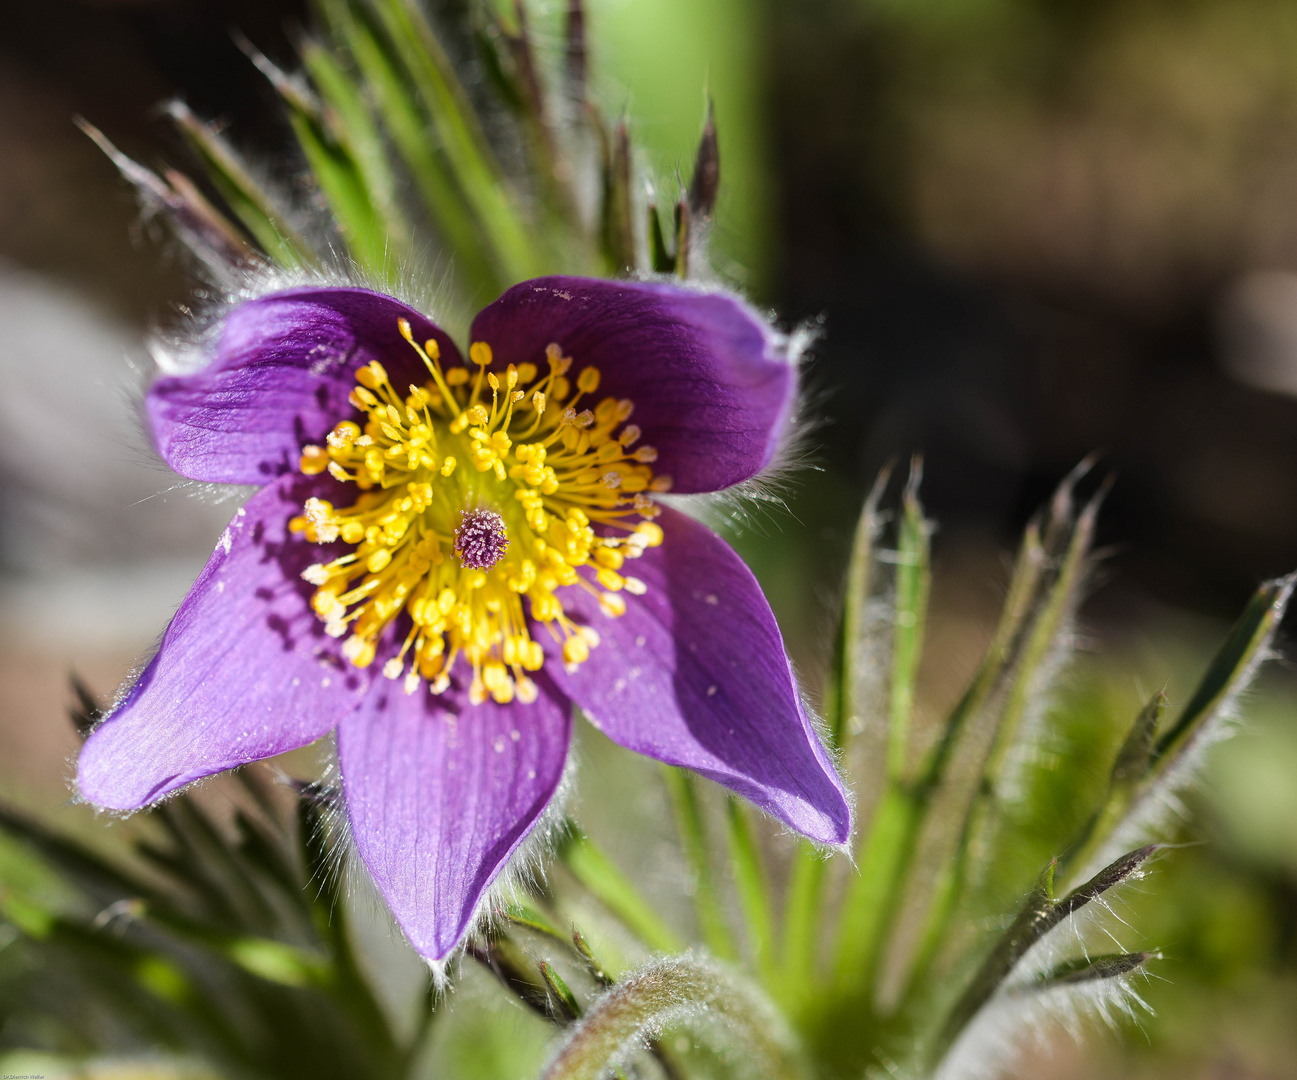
[1003, 326]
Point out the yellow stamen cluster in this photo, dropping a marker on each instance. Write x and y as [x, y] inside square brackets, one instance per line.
[519, 444]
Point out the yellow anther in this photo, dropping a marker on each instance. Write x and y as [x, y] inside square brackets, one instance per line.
[609, 557]
[432, 348]
[315, 460]
[359, 651]
[562, 482]
[342, 436]
[372, 375]
[648, 533]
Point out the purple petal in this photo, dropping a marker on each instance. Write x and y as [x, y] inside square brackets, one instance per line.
[712, 386]
[244, 670]
[695, 674]
[440, 793]
[280, 376]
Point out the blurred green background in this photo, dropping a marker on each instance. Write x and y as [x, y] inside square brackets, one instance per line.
[1027, 229]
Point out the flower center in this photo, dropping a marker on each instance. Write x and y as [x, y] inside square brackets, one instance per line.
[481, 539]
[553, 494]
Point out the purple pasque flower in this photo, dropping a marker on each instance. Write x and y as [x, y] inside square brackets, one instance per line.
[443, 558]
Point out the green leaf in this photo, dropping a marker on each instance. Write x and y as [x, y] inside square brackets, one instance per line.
[598, 874]
[913, 580]
[847, 713]
[404, 120]
[1040, 914]
[985, 735]
[803, 923]
[712, 926]
[1135, 797]
[251, 203]
[563, 1000]
[752, 883]
[277, 962]
[619, 234]
[1083, 969]
[661, 258]
[478, 177]
[348, 119]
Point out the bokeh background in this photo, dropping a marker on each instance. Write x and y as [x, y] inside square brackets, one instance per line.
[1025, 229]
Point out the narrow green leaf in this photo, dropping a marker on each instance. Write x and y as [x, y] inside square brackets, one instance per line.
[752, 884]
[913, 580]
[1056, 607]
[712, 925]
[1136, 798]
[803, 921]
[847, 715]
[683, 236]
[278, 962]
[983, 734]
[597, 873]
[875, 891]
[662, 259]
[1083, 969]
[344, 189]
[349, 120]
[619, 235]
[251, 204]
[566, 1007]
[1037, 917]
[477, 175]
[1231, 667]
[597, 971]
[345, 153]
[405, 122]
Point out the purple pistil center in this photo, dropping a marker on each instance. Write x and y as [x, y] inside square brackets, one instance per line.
[481, 539]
